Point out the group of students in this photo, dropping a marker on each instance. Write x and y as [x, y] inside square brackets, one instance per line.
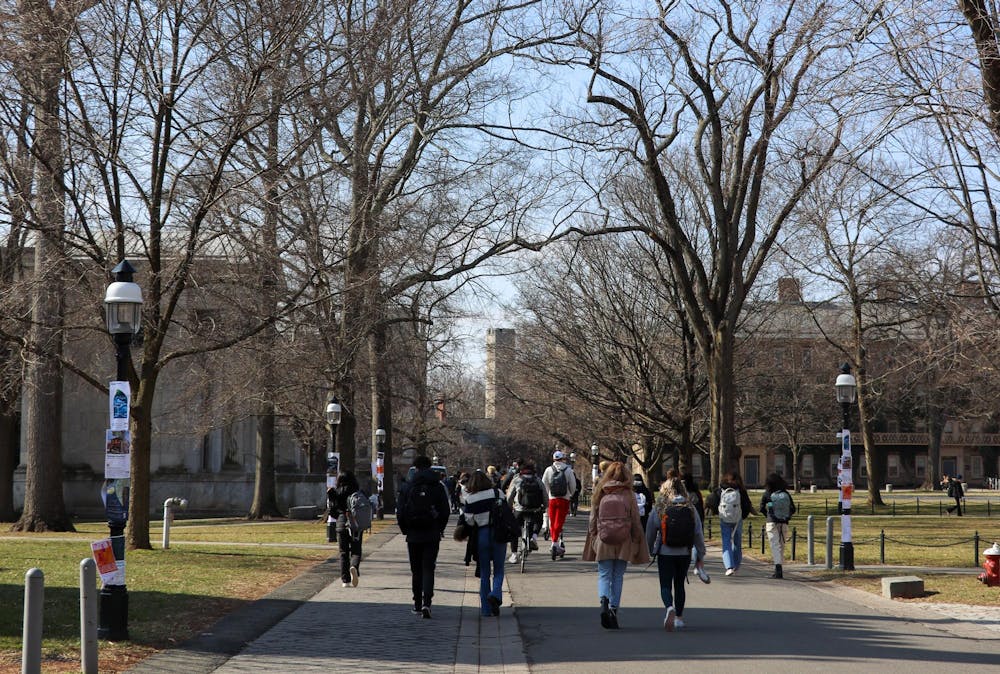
[627, 524]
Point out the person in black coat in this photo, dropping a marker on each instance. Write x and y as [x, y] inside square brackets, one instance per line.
[337, 500]
[422, 514]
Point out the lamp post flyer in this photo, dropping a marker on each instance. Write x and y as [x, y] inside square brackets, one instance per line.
[104, 557]
[119, 401]
[117, 454]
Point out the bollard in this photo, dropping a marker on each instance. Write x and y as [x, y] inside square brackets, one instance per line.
[881, 547]
[710, 527]
[762, 537]
[88, 616]
[975, 558]
[31, 636]
[987, 507]
[826, 506]
[811, 538]
[918, 505]
[893, 508]
[750, 535]
[829, 542]
[794, 538]
[168, 516]
[940, 509]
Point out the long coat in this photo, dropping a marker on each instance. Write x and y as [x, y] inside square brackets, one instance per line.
[633, 551]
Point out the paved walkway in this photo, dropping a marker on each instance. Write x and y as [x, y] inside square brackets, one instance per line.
[747, 621]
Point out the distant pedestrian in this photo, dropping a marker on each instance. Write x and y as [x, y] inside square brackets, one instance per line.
[643, 497]
[574, 500]
[494, 475]
[778, 507]
[672, 533]
[731, 502]
[529, 499]
[344, 503]
[955, 491]
[479, 501]
[560, 483]
[422, 515]
[511, 473]
[694, 495]
[615, 537]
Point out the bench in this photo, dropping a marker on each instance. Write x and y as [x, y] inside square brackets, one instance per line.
[308, 512]
[906, 587]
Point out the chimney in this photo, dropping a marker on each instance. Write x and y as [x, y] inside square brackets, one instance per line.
[789, 290]
[439, 407]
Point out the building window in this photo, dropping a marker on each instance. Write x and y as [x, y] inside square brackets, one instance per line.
[977, 466]
[834, 473]
[893, 467]
[862, 467]
[807, 466]
[920, 466]
[779, 463]
[696, 466]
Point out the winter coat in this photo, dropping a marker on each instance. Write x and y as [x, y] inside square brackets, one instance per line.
[634, 550]
[570, 480]
[338, 499]
[746, 505]
[766, 498]
[442, 505]
[515, 484]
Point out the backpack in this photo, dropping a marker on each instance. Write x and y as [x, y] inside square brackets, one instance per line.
[502, 520]
[559, 485]
[529, 493]
[729, 506]
[419, 510]
[359, 509]
[781, 506]
[614, 525]
[677, 526]
[640, 500]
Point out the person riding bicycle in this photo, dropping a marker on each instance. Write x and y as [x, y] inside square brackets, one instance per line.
[529, 498]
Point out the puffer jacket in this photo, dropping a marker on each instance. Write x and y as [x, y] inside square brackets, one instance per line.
[653, 532]
[634, 550]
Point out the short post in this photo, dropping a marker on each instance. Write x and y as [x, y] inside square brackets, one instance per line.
[88, 616]
[709, 527]
[795, 536]
[975, 557]
[893, 508]
[881, 547]
[811, 539]
[31, 636]
[940, 508]
[918, 505]
[762, 537]
[987, 507]
[168, 516]
[826, 506]
[750, 535]
[829, 542]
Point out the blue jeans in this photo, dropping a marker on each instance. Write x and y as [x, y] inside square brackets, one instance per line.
[610, 576]
[490, 553]
[673, 572]
[732, 544]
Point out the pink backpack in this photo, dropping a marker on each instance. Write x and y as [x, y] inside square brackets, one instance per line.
[614, 520]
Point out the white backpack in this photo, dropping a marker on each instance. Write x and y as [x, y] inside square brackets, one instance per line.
[729, 506]
[640, 500]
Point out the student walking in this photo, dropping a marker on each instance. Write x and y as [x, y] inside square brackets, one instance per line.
[955, 491]
[529, 500]
[560, 483]
[614, 538]
[352, 511]
[731, 502]
[672, 532]
[778, 506]
[422, 514]
[479, 502]
[643, 497]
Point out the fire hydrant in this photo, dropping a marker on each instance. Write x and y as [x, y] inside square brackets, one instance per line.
[992, 565]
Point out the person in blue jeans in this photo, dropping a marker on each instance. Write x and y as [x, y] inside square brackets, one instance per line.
[479, 498]
[731, 532]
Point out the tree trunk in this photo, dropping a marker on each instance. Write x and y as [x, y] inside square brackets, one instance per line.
[935, 430]
[265, 501]
[8, 462]
[868, 440]
[381, 390]
[137, 531]
[722, 406]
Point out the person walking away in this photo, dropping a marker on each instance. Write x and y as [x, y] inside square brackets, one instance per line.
[422, 514]
[955, 491]
[574, 500]
[560, 483]
[672, 532]
[528, 498]
[494, 475]
[512, 472]
[694, 495]
[615, 538]
[643, 497]
[731, 502]
[778, 507]
[479, 501]
[352, 511]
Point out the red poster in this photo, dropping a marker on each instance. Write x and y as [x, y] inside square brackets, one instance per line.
[104, 556]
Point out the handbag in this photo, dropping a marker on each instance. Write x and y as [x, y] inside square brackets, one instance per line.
[462, 529]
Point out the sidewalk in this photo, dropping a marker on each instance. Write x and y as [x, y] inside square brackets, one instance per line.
[553, 624]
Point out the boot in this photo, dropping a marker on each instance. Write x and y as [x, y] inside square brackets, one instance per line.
[777, 571]
[605, 614]
[614, 618]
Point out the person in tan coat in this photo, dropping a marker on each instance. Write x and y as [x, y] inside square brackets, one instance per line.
[615, 537]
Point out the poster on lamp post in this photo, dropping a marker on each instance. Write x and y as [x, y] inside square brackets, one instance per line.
[104, 557]
[119, 402]
[117, 455]
[332, 468]
[379, 469]
[846, 475]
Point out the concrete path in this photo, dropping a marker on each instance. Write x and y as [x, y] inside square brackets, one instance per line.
[746, 622]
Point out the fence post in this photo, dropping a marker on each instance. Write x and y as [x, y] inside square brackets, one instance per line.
[794, 539]
[881, 547]
[762, 537]
[826, 506]
[88, 616]
[829, 542]
[918, 505]
[987, 507]
[709, 527]
[940, 508]
[31, 636]
[872, 504]
[811, 538]
[750, 535]
[975, 559]
[893, 508]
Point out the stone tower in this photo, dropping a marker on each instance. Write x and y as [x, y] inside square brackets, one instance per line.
[499, 359]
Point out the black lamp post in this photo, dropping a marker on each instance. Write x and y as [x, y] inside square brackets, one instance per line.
[379, 466]
[332, 415]
[595, 455]
[123, 314]
[847, 393]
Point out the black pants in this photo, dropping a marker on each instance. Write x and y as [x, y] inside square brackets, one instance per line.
[957, 506]
[536, 524]
[350, 553]
[423, 558]
[673, 572]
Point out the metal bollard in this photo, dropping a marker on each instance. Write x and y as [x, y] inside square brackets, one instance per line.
[31, 636]
[168, 516]
[88, 616]
[881, 547]
[811, 539]
[918, 505]
[893, 508]
[762, 537]
[750, 535]
[829, 542]
[795, 537]
[975, 558]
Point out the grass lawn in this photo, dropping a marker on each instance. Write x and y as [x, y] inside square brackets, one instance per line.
[173, 594]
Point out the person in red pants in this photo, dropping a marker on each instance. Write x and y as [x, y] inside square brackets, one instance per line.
[560, 482]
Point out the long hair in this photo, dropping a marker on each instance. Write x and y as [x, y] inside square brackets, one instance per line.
[616, 472]
[478, 482]
[775, 482]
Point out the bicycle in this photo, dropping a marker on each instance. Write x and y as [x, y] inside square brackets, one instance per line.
[525, 542]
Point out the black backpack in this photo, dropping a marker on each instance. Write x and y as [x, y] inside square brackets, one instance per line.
[559, 485]
[677, 526]
[529, 493]
[420, 510]
[502, 520]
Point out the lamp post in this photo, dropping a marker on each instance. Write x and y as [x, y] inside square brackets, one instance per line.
[123, 315]
[379, 468]
[847, 393]
[332, 415]
[595, 455]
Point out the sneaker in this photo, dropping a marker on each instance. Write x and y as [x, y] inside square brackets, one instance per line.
[415, 610]
[345, 584]
[426, 612]
[533, 543]
[702, 574]
[678, 624]
[670, 620]
[513, 558]
[494, 603]
[730, 572]
[354, 576]
[613, 611]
